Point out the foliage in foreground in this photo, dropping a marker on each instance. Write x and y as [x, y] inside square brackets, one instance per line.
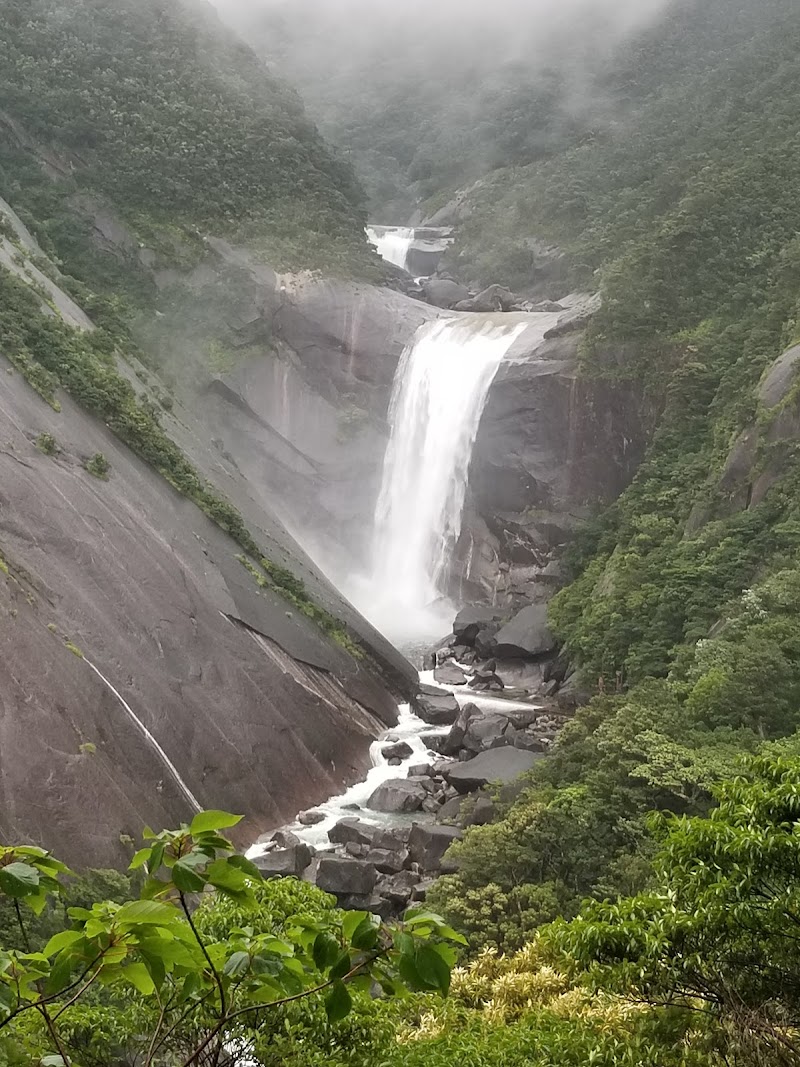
[150, 976]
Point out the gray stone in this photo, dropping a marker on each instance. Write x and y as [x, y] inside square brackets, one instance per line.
[428, 844]
[397, 796]
[388, 861]
[372, 902]
[420, 770]
[311, 818]
[285, 862]
[443, 293]
[471, 620]
[436, 710]
[780, 378]
[450, 674]
[528, 634]
[497, 765]
[485, 730]
[346, 877]
[482, 812]
[450, 811]
[398, 887]
[400, 750]
[394, 837]
[347, 830]
[454, 741]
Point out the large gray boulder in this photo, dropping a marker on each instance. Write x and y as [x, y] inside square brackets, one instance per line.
[471, 620]
[428, 844]
[527, 635]
[284, 862]
[444, 293]
[346, 877]
[501, 765]
[354, 831]
[398, 796]
[435, 706]
[450, 674]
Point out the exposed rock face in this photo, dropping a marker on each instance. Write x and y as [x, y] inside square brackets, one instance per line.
[428, 844]
[498, 765]
[143, 673]
[527, 634]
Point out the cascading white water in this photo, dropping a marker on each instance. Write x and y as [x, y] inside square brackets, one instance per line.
[439, 393]
[393, 244]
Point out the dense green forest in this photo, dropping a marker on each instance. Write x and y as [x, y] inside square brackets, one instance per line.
[702, 968]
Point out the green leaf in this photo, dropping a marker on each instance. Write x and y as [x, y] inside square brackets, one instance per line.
[432, 969]
[60, 975]
[342, 966]
[187, 879]
[237, 965]
[338, 1003]
[213, 820]
[139, 860]
[222, 875]
[147, 912]
[326, 951]
[247, 866]
[352, 921]
[139, 977]
[62, 940]
[19, 880]
[366, 934]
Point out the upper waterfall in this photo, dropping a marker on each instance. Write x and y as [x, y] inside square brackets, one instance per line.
[392, 243]
[439, 393]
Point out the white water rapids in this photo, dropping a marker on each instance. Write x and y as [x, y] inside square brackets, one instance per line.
[392, 243]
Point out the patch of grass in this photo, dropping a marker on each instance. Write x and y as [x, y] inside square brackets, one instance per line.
[98, 466]
[47, 444]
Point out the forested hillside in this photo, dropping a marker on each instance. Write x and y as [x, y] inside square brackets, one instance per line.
[158, 108]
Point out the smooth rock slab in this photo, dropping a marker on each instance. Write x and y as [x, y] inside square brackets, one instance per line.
[450, 674]
[428, 844]
[528, 634]
[398, 796]
[497, 765]
[351, 830]
[346, 877]
[284, 862]
[436, 707]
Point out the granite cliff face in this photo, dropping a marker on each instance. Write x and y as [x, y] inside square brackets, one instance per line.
[144, 671]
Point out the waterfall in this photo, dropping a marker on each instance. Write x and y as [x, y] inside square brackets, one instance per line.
[439, 393]
[392, 243]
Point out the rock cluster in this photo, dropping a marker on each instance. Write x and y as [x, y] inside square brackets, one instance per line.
[384, 868]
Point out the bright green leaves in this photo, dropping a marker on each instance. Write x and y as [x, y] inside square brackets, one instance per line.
[154, 948]
[195, 857]
[28, 874]
[206, 821]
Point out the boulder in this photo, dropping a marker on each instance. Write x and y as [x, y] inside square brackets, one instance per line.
[497, 765]
[347, 830]
[450, 674]
[527, 635]
[346, 877]
[470, 621]
[440, 709]
[482, 812]
[398, 887]
[285, 862]
[486, 640]
[400, 750]
[387, 861]
[394, 837]
[428, 844]
[359, 852]
[397, 796]
[454, 741]
[444, 293]
[311, 818]
[420, 770]
[493, 298]
[484, 731]
[451, 810]
[372, 902]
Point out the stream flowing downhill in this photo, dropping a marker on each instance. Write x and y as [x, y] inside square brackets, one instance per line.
[393, 244]
[440, 390]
